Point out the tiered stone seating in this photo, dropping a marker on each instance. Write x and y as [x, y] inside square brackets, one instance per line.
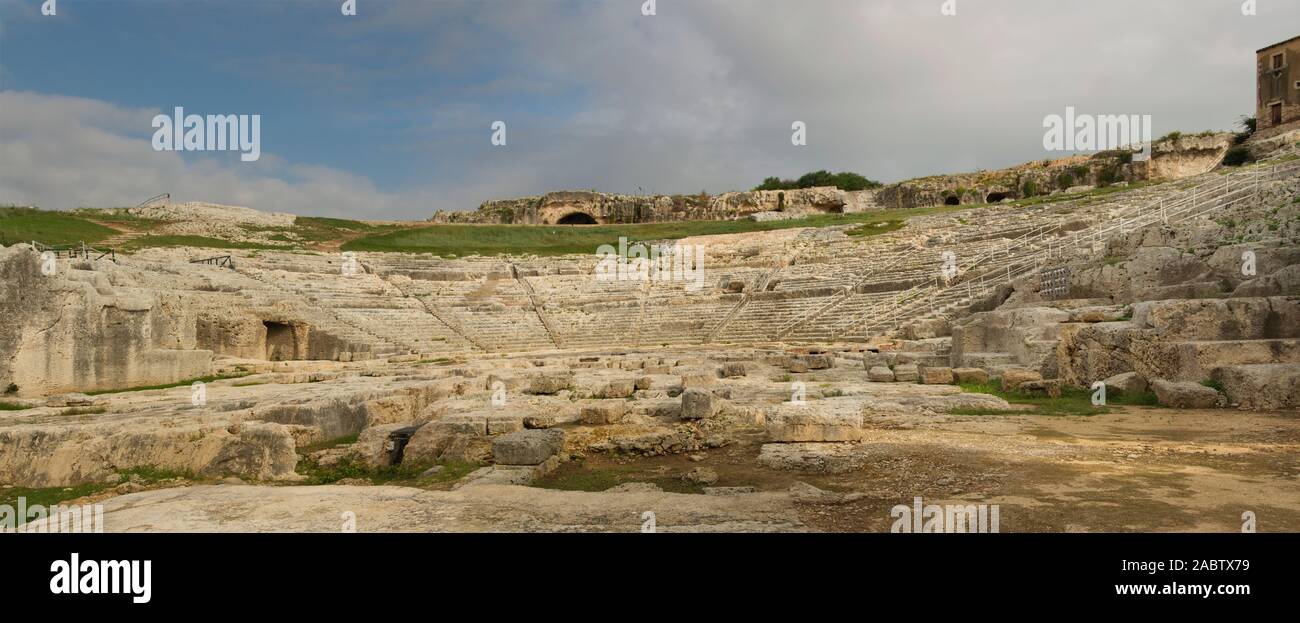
[763, 317]
[683, 319]
[364, 302]
[813, 286]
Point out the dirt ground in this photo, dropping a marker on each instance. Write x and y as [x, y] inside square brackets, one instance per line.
[1134, 470]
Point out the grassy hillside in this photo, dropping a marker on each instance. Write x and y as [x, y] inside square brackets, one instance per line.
[60, 228]
[84, 225]
[546, 240]
[52, 228]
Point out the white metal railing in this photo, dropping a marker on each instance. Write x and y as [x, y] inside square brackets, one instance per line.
[1031, 252]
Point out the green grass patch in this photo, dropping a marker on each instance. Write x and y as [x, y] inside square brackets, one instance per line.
[407, 474]
[84, 411]
[1090, 195]
[320, 229]
[451, 472]
[1214, 385]
[1143, 399]
[876, 228]
[1073, 401]
[203, 379]
[49, 496]
[576, 477]
[48, 227]
[548, 240]
[12, 406]
[118, 216]
[196, 241]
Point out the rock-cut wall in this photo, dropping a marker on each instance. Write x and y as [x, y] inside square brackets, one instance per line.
[67, 332]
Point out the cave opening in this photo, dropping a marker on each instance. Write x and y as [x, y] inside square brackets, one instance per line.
[281, 345]
[576, 218]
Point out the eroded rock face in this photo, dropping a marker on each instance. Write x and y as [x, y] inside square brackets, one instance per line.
[604, 412]
[1127, 383]
[549, 383]
[1186, 395]
[970, 375]
[585, 207]
[1220, 319]
[699, 404]
[64, 456]
[1186, 156]
[531, 447]
[936, 375]
[1027, 335]
[1261, 386]
[1183, 340]
[820, 421]
[1014, 378]
[69, 332]
[880, 374]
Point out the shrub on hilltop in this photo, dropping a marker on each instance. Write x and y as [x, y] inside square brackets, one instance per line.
[845, 181]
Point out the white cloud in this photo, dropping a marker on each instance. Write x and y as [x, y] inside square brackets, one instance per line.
[700, 96]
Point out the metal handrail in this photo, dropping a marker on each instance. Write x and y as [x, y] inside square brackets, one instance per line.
[154, 198]
[223, 261]
[73, 251]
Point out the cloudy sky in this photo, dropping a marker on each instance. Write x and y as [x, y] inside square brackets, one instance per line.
[388, 114]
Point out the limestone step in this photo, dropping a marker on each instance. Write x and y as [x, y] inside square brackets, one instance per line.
[1266, 386]
[1196, 360]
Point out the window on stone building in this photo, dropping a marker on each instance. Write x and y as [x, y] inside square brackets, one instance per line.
[1277, 61]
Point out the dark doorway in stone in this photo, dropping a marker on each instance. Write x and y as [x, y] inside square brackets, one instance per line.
[996, 197]
[280, 342]
[952, 200]
[576, 218]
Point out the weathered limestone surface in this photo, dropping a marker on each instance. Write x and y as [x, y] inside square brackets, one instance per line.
[826, 420]
[1261, 386]
[480, 508]
[72, 331]
[1186, 395]
[1029, 335]
[699, 404]
[531, 447]
[250, 432]
[1183, 340]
